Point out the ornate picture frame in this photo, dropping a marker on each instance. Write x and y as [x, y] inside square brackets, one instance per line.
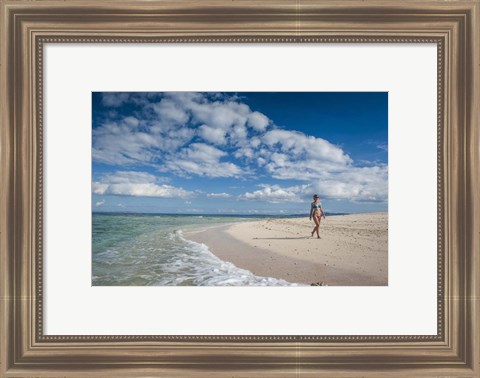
[27, 26]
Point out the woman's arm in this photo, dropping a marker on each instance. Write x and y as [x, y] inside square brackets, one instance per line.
[311, 211]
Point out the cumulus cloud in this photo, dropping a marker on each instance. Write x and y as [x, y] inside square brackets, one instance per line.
[299, 145]
[219, 114]
[210, 134]
[258, 121]
[273, 194]
[121, 142]
[357, 184]
[100, 203]
[136, 184]
[218, 195]
[203, 160]
[170, 111]
[129, 141]
[159, 128]
[114, 99]
[329, 171]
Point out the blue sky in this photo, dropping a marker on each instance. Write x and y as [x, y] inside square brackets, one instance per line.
[239, 153]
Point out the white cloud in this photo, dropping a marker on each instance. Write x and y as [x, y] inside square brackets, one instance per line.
[329, 171]
[130, 141]
[100, 203]
[203, 153]
[170, 111]
[255, 142]
[221, 113]
[365, 184]
[114, 99]
[160, 128]
[297, 144]
[357, 184]
[120, 143]
[244, 152]
[258, 121]
[136, 184]
[210, 134]
[238, 134]
[383, 147]
[273, 194]
[203, 160]
[128, 177]
[218, 195]
[131, 122]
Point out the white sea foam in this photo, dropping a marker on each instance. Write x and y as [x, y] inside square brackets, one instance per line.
[198, 266]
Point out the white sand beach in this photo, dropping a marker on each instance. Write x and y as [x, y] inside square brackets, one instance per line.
[352, 250]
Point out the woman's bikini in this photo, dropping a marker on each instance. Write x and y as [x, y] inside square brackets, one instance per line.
[317, 214]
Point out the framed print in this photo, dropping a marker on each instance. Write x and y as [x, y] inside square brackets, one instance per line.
[241, 189]
[67, 288]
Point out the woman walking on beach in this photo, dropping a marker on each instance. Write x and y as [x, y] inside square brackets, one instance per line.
[317, 213]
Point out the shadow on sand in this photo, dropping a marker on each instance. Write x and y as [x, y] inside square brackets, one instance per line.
[298, 237]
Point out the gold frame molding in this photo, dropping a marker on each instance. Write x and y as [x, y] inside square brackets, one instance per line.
[454, 26]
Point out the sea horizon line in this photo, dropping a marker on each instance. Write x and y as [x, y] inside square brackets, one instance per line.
[294, 215]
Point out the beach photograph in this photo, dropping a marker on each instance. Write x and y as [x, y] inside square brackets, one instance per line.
[240, 189]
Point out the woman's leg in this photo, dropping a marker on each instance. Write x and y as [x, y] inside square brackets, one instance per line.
[317, 223]
[318, 227]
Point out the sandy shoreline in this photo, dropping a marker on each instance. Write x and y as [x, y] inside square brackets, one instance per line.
[351, 252]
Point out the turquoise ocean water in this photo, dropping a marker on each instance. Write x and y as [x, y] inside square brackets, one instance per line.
[150, 250]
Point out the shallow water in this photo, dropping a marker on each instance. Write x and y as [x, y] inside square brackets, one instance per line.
[150, 250]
